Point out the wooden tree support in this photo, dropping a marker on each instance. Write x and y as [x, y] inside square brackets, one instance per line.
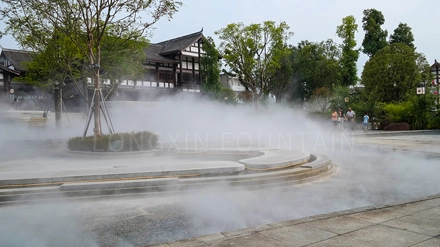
[104, 110]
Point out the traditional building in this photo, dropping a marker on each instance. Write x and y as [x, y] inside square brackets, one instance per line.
[173, 63]
[12, 65]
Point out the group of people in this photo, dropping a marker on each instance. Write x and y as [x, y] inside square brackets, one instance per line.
[338, 117]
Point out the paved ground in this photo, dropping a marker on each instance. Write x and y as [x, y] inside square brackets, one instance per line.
[415, 223]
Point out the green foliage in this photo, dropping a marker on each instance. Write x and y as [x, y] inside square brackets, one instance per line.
[368, 103]
[315, 65]
[210, 68]
[422, 111]
[120, 142]
[228, 95]
[252, 52]
[58, 61]
[434, 123]
[416, 111]
[391, 73]
[350, 55]
[121, 58]
[338, 98]
[403, 34]
[399, 112]
[322, 97]
[375, 37]
[281, 78]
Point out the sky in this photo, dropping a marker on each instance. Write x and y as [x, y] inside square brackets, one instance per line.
[311, 20]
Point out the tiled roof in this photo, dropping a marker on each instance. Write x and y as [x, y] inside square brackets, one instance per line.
[18, 58]
[152, 53]
[180, 43]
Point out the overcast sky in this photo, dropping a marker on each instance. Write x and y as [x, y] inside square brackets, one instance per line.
[311, 20]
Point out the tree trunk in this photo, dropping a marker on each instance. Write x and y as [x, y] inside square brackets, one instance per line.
[86, 94]
[97, 111]
[58, 105]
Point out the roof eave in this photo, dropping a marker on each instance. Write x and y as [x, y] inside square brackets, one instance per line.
[12, 71]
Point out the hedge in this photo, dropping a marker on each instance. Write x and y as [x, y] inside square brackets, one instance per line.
[119, 142]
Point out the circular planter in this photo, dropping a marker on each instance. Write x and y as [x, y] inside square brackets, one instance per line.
[112, 155]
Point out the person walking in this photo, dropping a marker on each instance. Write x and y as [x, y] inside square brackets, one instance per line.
[341, 116]
[351, 116]
[366, 122]
[335, 118]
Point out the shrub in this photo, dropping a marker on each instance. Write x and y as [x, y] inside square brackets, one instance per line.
[399, 112]
[119, 142]
[434, 123]
[228, 95]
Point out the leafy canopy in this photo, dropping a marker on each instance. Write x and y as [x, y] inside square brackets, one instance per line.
[253, 51]
[375, 37]
[346, 31]
[392, 73]
[210, 68]
[403, 34]
[315, 65]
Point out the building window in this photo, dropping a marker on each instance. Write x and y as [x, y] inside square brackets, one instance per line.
[166, 76]
[150, 75]
[187, 77]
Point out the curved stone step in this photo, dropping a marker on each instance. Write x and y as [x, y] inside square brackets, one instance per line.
[276, 159]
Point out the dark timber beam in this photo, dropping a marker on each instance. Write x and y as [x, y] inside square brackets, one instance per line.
[199, 55]
[180, 69]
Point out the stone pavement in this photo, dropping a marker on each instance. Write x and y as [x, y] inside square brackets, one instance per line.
[414, 222]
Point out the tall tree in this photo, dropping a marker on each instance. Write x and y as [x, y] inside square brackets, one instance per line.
[403, 34]
[86, 23]
[253, 51]
[375, 37]
[281, 78]
[350, 55]
[315, 65]
[392, 73]
[210, 70]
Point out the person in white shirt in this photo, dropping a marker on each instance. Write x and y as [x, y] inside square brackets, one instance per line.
[351, 116]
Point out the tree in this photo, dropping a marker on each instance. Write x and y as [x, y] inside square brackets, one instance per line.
[350, 55]
[210, 68]
[315, 65]
[322, 97]
[281, 78]
[375, 37]
[403, 34]
[121, 60]
[85, 23]
[253, 52]
[340, 93]
[392, 73]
